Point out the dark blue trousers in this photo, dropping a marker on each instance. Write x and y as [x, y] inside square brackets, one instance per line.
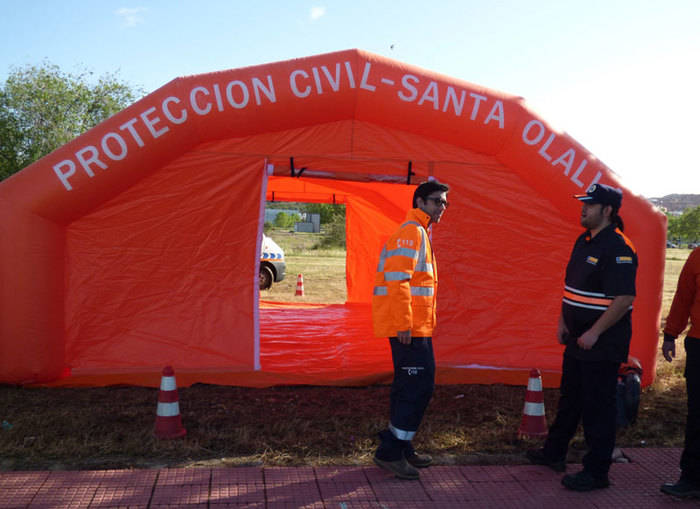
[587, 394]
[411, 390]
[690, 459]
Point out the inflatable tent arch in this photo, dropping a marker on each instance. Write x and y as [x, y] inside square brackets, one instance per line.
[135, 245]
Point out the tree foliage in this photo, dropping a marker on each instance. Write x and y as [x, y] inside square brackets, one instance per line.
[43, 108]
[284, 220]
[673, 227]
[328, 212]
[334, 234]
[690, 223]
[686, 226]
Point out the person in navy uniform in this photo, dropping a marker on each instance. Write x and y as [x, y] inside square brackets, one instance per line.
[595, 325]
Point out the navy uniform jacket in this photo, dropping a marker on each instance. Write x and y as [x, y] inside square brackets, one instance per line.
[600, 269]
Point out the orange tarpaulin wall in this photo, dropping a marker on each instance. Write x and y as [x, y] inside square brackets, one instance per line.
[135, 245]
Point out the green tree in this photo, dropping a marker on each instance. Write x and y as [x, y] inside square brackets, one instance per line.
[673, 228]
[43, 108]
[284, 220]
[327, 211]
[334, 235]
[281, 220]
[690, 224]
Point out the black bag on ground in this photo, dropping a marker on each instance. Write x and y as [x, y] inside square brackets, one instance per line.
[629, 390]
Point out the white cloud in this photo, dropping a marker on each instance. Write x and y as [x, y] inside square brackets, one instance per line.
[317, 12]
[130, 15]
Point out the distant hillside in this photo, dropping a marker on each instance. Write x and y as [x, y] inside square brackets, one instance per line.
[677, 203]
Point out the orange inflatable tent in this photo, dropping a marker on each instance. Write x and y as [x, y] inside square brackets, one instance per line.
[136, 245]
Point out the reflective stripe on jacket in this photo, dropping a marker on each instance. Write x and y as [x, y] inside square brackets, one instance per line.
[588, 300]
[406, 281]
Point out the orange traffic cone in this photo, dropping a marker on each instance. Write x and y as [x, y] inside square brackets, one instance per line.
[533, 423]
[168, 421]
[300, 286]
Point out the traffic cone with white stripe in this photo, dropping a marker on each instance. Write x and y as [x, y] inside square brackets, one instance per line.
[168, 420]
[534, 423]
[300, 286]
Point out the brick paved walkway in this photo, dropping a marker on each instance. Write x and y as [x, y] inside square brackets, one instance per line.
[635, 485]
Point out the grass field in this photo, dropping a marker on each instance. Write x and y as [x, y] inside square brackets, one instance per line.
[322, 270]
[112, 427]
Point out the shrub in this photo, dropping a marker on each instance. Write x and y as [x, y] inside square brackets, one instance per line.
[334, 234]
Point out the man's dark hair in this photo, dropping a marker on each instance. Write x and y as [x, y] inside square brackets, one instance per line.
[617, 220]
[614, 216]
[425, 189]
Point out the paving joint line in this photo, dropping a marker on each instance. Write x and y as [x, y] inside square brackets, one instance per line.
[371, 486]
[264, 478]
[318, 487]
[153, 489]
[211, 476]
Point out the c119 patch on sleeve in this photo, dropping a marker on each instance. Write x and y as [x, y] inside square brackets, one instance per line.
[624, 259]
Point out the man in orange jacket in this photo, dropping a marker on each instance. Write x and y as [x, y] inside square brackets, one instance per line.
[686, 304]
[403, 309]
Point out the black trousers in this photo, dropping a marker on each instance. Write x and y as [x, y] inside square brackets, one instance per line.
[690, 459]
[411, 391]
[587, 394]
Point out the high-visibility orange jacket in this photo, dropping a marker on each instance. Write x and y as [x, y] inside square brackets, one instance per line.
[406, 283]
[686, 301]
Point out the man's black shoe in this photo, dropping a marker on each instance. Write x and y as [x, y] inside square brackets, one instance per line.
[584, 481]
[537, 457]
[682, 489]
[418, 460]
[400, 468]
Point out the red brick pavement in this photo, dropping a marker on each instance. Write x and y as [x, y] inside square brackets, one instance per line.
[635, 485]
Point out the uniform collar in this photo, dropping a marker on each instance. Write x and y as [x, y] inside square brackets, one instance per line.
[419, 216]
[610, 228]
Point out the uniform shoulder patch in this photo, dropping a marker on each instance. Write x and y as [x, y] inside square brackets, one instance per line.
[592, 260]
[623, 259]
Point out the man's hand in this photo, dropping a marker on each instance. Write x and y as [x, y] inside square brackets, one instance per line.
[668, 349]
[587, 339]
[619, 306]
[404, 336]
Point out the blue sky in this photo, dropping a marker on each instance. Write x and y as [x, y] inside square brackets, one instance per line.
[621, 77]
